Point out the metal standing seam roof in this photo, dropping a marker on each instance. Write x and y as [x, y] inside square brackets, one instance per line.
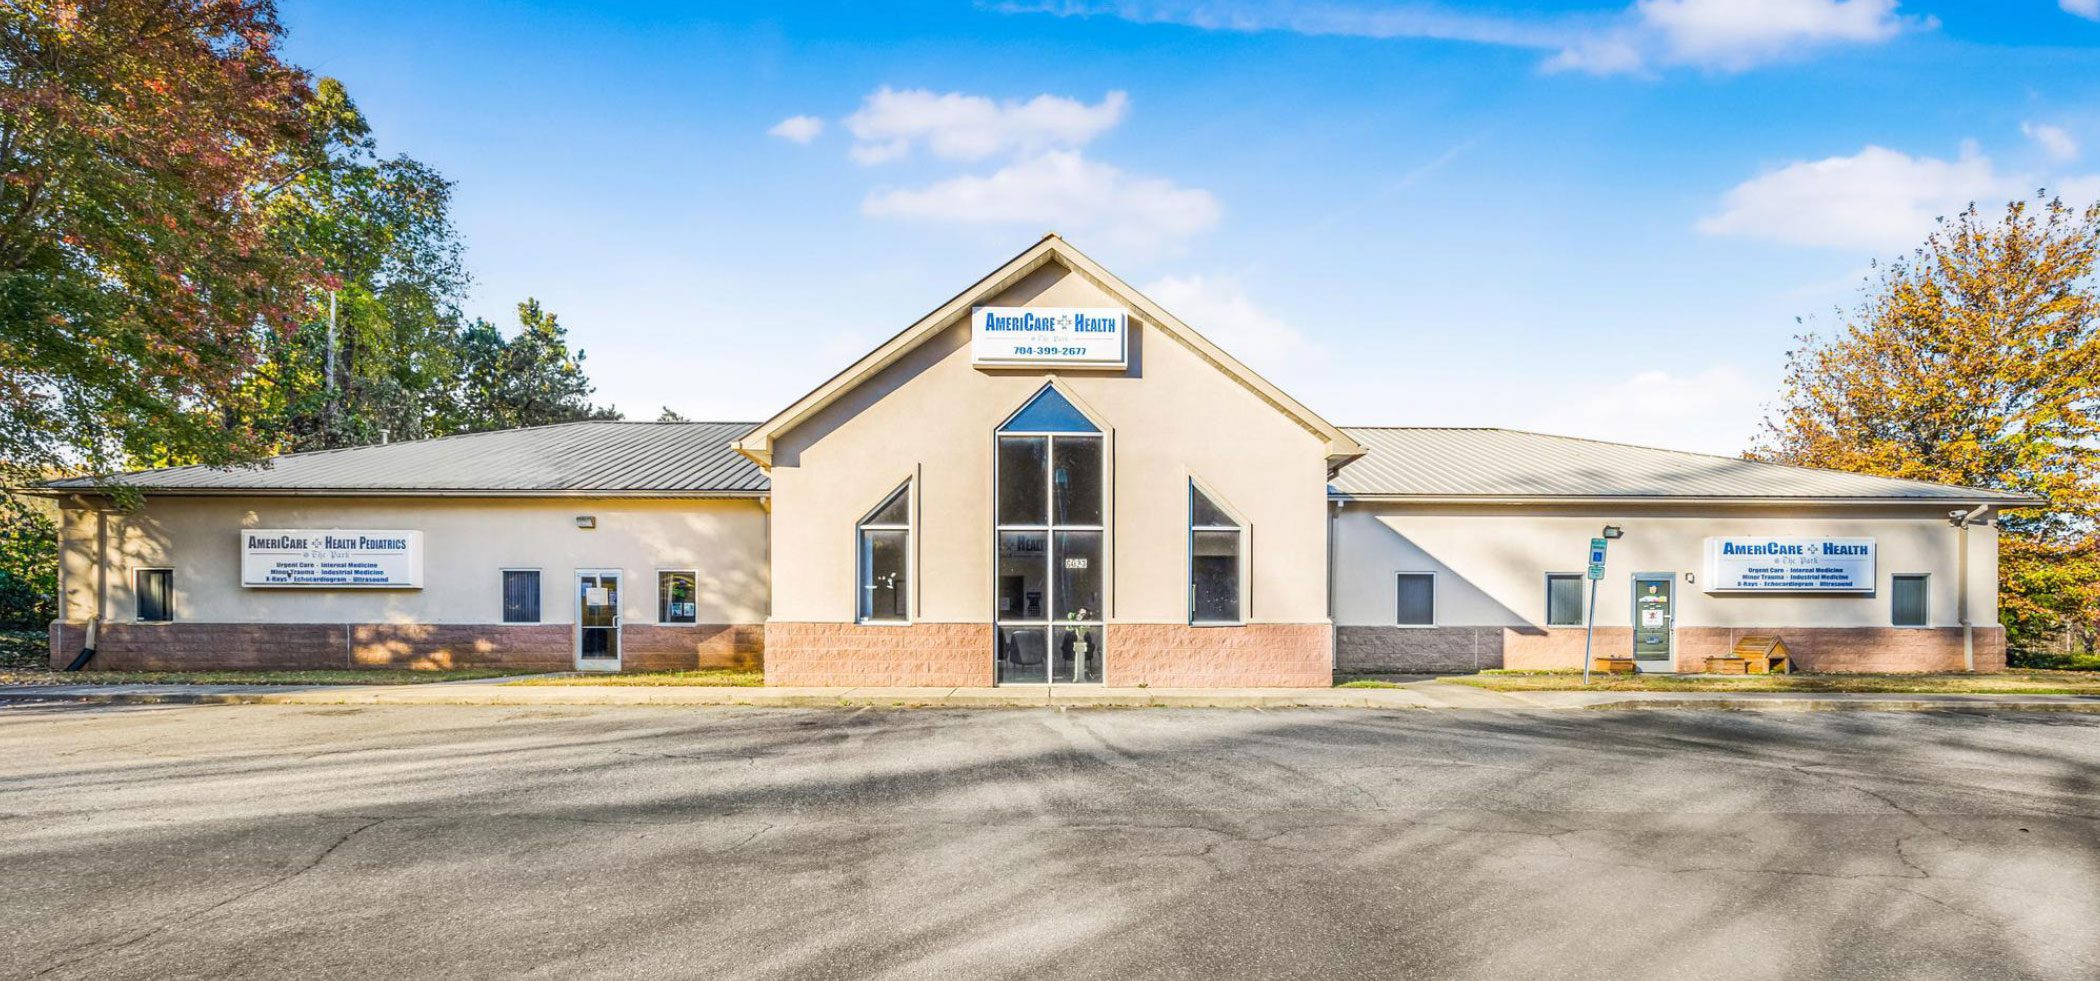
[596, 457]
[1504, 464]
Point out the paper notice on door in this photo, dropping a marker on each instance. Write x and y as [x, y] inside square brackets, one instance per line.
[597, 595]
[1651, 617]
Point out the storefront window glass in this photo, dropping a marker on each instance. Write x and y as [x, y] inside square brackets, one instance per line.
[521, 596]
[1214, 561]
[1051, 542]
[1024, 497]
[677, 597]
[1417, 599]
[1563, 599]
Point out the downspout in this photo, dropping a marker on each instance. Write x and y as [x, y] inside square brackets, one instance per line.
[87, 645]
[1334, 629]
[1961, 521]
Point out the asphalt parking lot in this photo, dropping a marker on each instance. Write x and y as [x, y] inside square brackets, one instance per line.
[267, 841]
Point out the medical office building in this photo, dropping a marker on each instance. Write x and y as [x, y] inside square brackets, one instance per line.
[1048, 479]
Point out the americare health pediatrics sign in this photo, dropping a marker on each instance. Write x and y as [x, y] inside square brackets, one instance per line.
[332, 559]
[1084, 337]
[1793, 565]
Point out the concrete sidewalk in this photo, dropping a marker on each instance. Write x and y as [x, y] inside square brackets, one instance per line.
[1429, 695]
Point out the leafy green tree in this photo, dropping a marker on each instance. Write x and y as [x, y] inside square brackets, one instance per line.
[382, 233]
[1976, 361]
[668, 415]
[28, 565]
[530, 379]
[139, 143]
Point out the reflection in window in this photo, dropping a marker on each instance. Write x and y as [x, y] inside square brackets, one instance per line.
[677, 597]
[1049, 524]
[1563, 599]
[1417, 599]
[1907, 595]
[521, 596]
[1214, 561]
[156, 595]
[885, 558]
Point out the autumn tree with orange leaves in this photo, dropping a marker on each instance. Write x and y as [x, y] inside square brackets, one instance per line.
[139, 142]
[1976, 361]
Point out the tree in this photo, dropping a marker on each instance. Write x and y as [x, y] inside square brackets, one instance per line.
[527, 380]
[28, 564]
[1976, 361]
[139, 142]
[381, 232]
[668, 415]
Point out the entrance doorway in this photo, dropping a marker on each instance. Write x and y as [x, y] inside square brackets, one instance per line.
[1654, 620]
[1050, 495]
[597, 621]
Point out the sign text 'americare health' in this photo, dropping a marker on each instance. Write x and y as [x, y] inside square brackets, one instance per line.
[1075, 336]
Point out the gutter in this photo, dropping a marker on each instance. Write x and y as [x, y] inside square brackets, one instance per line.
[47, 490]
[2010, 501]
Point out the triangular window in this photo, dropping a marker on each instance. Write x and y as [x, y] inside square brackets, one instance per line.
[894, 512]
[1049, 412]
[1205, 513]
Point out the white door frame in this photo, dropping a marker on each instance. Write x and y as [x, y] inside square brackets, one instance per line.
[576, 632]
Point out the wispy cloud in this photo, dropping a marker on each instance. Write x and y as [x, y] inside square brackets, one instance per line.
[797, 129]
[2088, 9]
[1719, 35]
[2054, 140]
[1878, 200]
[957, 126]
[1061, 190]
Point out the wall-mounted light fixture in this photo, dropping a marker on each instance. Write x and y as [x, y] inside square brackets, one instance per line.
[1614, 532]
[586, 521]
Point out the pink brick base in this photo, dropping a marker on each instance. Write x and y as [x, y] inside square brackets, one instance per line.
[853, 655]
[1820, 649]
[414, 646]
[1257, 655]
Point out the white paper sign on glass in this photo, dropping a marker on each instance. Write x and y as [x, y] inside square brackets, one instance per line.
[1790, 565]
[1082, 337]
[331, 559]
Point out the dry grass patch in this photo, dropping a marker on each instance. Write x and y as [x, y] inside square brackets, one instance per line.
[712, 678]
[2007, 683]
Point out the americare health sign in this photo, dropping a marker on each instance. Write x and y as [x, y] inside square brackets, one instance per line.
[1794, 565]
[1083, 337]
[332, 559]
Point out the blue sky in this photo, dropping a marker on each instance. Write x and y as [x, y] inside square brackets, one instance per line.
[1594, 218]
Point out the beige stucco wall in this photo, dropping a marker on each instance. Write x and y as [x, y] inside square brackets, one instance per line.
[466, 542]
[1491, 562]
[1170, 416]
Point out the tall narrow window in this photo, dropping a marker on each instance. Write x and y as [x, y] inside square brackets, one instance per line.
[1051, 571]
[1907, 600]
[521, 596]
[156, 594]
[1215, 550]
[1563, 599]
[677, 597]
[885, 559]
[1417, 599]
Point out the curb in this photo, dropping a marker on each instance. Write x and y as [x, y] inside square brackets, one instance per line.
[674, 697]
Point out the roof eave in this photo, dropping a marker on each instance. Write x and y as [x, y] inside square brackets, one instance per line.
[105, 491]
[1998, 502]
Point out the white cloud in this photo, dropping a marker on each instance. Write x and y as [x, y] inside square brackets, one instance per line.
[955, 126]
[1221, 310]
[797, 129]
[1878, 199]
[2088, 9]
[1737, 34]
[2053, 140]
[1726, 35]
[1059, 190]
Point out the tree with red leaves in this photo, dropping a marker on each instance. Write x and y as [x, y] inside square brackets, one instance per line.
[140, 142]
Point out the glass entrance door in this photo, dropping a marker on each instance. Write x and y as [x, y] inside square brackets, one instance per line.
[597, 621]
[1050, 569]
[1654, 616]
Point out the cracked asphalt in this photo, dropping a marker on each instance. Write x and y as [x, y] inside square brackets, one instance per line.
[280, 841]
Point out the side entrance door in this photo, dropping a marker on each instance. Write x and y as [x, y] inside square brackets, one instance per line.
[1654, 616]
[597, 621]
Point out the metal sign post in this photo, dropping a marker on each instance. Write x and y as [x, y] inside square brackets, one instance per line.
[1589, 635]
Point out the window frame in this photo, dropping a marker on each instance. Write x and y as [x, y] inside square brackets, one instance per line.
[1580, 617]
[1432, 574]
[1924, 602]
[862, 588]
[660, 574]
[539, 600]
[1243, 535]
[138, 573]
